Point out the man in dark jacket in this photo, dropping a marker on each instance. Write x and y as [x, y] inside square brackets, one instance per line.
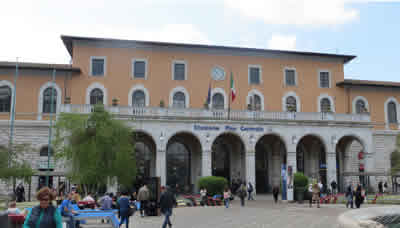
[167, 201]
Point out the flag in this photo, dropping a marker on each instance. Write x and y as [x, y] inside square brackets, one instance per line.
[233, 90]
[209, 95]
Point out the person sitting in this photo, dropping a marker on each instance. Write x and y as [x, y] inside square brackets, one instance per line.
[89, 198]
[45, 214]
[67, 211]
[12, 208]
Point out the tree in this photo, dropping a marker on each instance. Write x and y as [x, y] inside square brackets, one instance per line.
[12, 166]
[96, 149]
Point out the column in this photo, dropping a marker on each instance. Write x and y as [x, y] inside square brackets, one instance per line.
[291, 163]
[331, 167]
[206, 157]
[251, 168]
[161, 163]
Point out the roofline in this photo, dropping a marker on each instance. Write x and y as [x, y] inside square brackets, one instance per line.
[39, 66]
[367, 83]
[68, 42]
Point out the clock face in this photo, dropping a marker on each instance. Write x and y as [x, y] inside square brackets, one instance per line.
[218, 73]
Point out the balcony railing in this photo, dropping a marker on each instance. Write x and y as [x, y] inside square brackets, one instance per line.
[213, 114]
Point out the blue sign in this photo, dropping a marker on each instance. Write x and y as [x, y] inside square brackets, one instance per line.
[227, 128]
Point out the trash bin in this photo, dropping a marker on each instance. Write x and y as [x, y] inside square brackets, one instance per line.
[4, 219]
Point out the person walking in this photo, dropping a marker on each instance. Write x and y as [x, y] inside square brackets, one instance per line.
[334, 186]
[275, 193]
[316, 191]
[124, 209]
[250, 190]
[167, 201]
[242, 194]
[203, 195]
[385, 187]
[45, 215]
[380, 187]
[349, 196]
[143, 197]
[359, 196]
[227, 196]
[20, 190]
[310, 194]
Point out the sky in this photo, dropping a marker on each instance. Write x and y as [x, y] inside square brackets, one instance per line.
[369, 29]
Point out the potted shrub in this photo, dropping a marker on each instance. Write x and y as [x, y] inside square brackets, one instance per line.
[214, 185]
[300, 185]
[205, 105]
[67, 100]
[162, 104]
[115, 101]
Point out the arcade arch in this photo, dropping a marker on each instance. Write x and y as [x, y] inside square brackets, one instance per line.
[183, 161]
[228, 157]
[145, 152]
[311, 158]
[350, 158]
[270, 155]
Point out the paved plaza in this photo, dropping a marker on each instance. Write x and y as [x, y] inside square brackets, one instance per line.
[262, 213]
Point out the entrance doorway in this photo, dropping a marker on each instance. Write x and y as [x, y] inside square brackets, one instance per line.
[183, 162]
[270, 156]
[228, 158]
[311, 158]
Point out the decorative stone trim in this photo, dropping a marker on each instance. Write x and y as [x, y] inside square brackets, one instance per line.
[40, 101]
[93, 86]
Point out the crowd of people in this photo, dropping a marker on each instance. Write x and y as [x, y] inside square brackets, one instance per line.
[46, 214]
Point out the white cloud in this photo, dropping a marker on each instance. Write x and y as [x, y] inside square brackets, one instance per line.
[282, 42]
[297, 12]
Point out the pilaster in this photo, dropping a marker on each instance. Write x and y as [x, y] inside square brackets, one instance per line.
[206, 163]
[251, 168]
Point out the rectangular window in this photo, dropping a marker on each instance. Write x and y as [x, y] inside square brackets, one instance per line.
[290, 77]
[324, 79]
[179, 71]
[254, 75]
[97, 66]
[139, 69]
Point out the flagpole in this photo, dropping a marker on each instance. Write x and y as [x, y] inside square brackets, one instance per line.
[230, 94]
[50, 127]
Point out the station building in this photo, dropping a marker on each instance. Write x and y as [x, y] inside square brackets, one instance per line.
[292, 111]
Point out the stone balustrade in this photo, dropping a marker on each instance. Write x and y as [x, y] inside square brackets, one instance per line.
[214, 114]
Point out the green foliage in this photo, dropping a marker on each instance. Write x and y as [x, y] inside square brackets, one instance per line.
[11, 164]
[300, 180]
[97, 149]
[214, 185]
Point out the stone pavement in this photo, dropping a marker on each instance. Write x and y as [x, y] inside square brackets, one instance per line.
[262, 213]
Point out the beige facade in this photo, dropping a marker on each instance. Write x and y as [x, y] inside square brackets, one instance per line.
[74, 84]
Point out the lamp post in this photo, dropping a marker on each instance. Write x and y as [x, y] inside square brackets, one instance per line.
[12, 114]
[50, 127]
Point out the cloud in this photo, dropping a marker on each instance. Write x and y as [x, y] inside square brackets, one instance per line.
[282, 42]
[297, 12]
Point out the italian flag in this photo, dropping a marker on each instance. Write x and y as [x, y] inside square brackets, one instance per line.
[233, 90]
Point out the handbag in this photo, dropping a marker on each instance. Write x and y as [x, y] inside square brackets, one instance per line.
[138, 205]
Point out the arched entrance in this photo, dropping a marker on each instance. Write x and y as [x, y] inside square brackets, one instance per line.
[228, 157]
[183, 162]
[311, 158]
[350, 160]
[270, 155]
[145, 151]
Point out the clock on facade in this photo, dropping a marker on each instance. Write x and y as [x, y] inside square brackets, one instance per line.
[218, 73]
